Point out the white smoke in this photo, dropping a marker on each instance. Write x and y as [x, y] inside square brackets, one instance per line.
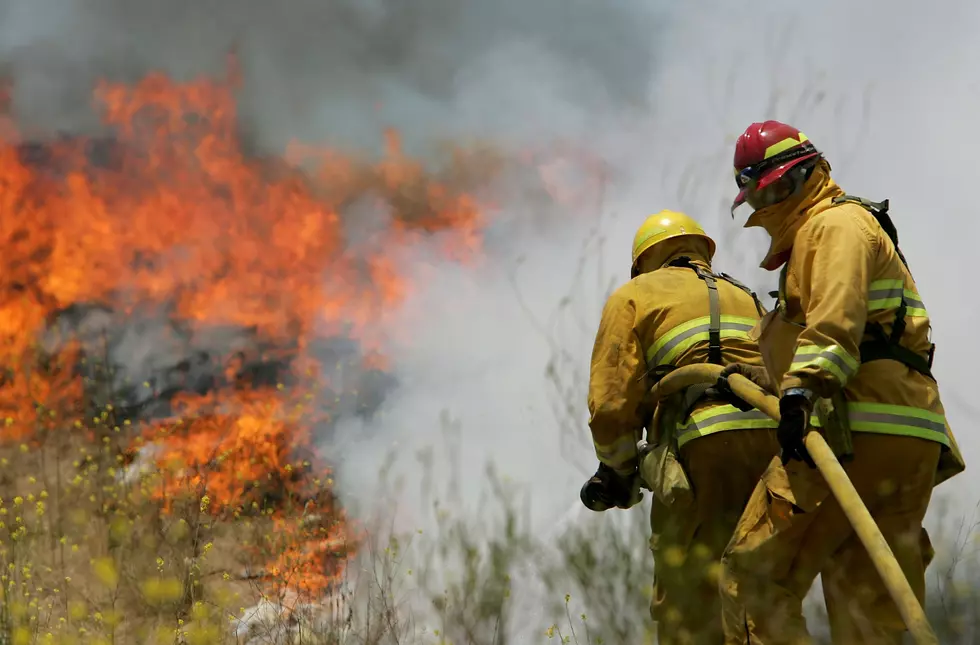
[885, 92]
[657, 90]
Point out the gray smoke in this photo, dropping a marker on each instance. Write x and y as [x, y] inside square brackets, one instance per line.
[336, 70]
[657, 90]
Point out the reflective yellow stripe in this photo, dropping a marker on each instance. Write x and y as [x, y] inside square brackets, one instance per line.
[784, 145]
[879, 418]
[616, 453]
[886, 284]
[884, 418]
[683, 336]
[887, 294]
[832, 359]
[718, 419]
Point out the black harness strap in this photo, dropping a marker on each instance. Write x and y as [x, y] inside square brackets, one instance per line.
[695, 393]
[714, 304]
[881, 345]
[714, 308]
[736, 283]
[879, 210]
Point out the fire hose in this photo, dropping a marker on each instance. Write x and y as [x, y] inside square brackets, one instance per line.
[833, 473]
[837, 480]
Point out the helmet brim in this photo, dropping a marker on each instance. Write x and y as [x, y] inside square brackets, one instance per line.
[771, 177]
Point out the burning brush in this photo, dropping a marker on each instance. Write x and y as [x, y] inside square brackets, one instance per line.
[201, 314]
[181, 323]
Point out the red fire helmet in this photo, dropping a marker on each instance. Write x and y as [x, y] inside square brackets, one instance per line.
[765, 152]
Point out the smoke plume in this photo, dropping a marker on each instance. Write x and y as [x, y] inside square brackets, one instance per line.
[653, 92]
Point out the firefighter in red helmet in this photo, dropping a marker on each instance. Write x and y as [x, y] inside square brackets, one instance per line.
[849, 335]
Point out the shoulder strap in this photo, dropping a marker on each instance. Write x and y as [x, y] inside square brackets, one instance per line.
[735, 283]
[714, 307]
[882, 346]
[879, 210]
[710, 280]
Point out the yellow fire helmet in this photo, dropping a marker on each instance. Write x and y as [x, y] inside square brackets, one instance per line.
[665, 225]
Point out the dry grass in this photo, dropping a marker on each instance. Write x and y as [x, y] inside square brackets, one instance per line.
[91, 557]
[93, 550]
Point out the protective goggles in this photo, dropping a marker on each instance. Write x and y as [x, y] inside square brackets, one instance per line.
[755, 172]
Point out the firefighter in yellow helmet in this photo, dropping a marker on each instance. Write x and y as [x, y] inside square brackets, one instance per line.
[703, 455]
[850, 329]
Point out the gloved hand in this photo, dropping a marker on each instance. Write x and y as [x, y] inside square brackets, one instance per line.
[795, 408]
[755, 373]
[606, 490]
[722, 391]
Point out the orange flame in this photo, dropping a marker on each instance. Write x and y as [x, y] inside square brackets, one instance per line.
[174, 213]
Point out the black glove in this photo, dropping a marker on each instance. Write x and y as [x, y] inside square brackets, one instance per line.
[722, 391]
[606, 490]
[795, 409]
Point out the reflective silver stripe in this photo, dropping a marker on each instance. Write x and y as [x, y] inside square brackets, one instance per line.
[616, 453]
[887, 294]
[893, 295]
[689, 333]
[832, 359]
[883, 418]
[915, 308]
[899, 423]
[887, 283]
[719, 419]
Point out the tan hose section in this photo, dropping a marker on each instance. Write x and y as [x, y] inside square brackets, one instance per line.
[838, 482]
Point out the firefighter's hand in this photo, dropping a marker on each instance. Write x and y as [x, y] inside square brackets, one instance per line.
[795, 408]
[723, 391]
[606, 490]
[755, 373]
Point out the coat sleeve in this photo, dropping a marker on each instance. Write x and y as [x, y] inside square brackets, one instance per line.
[617, 385]
[833, 258]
